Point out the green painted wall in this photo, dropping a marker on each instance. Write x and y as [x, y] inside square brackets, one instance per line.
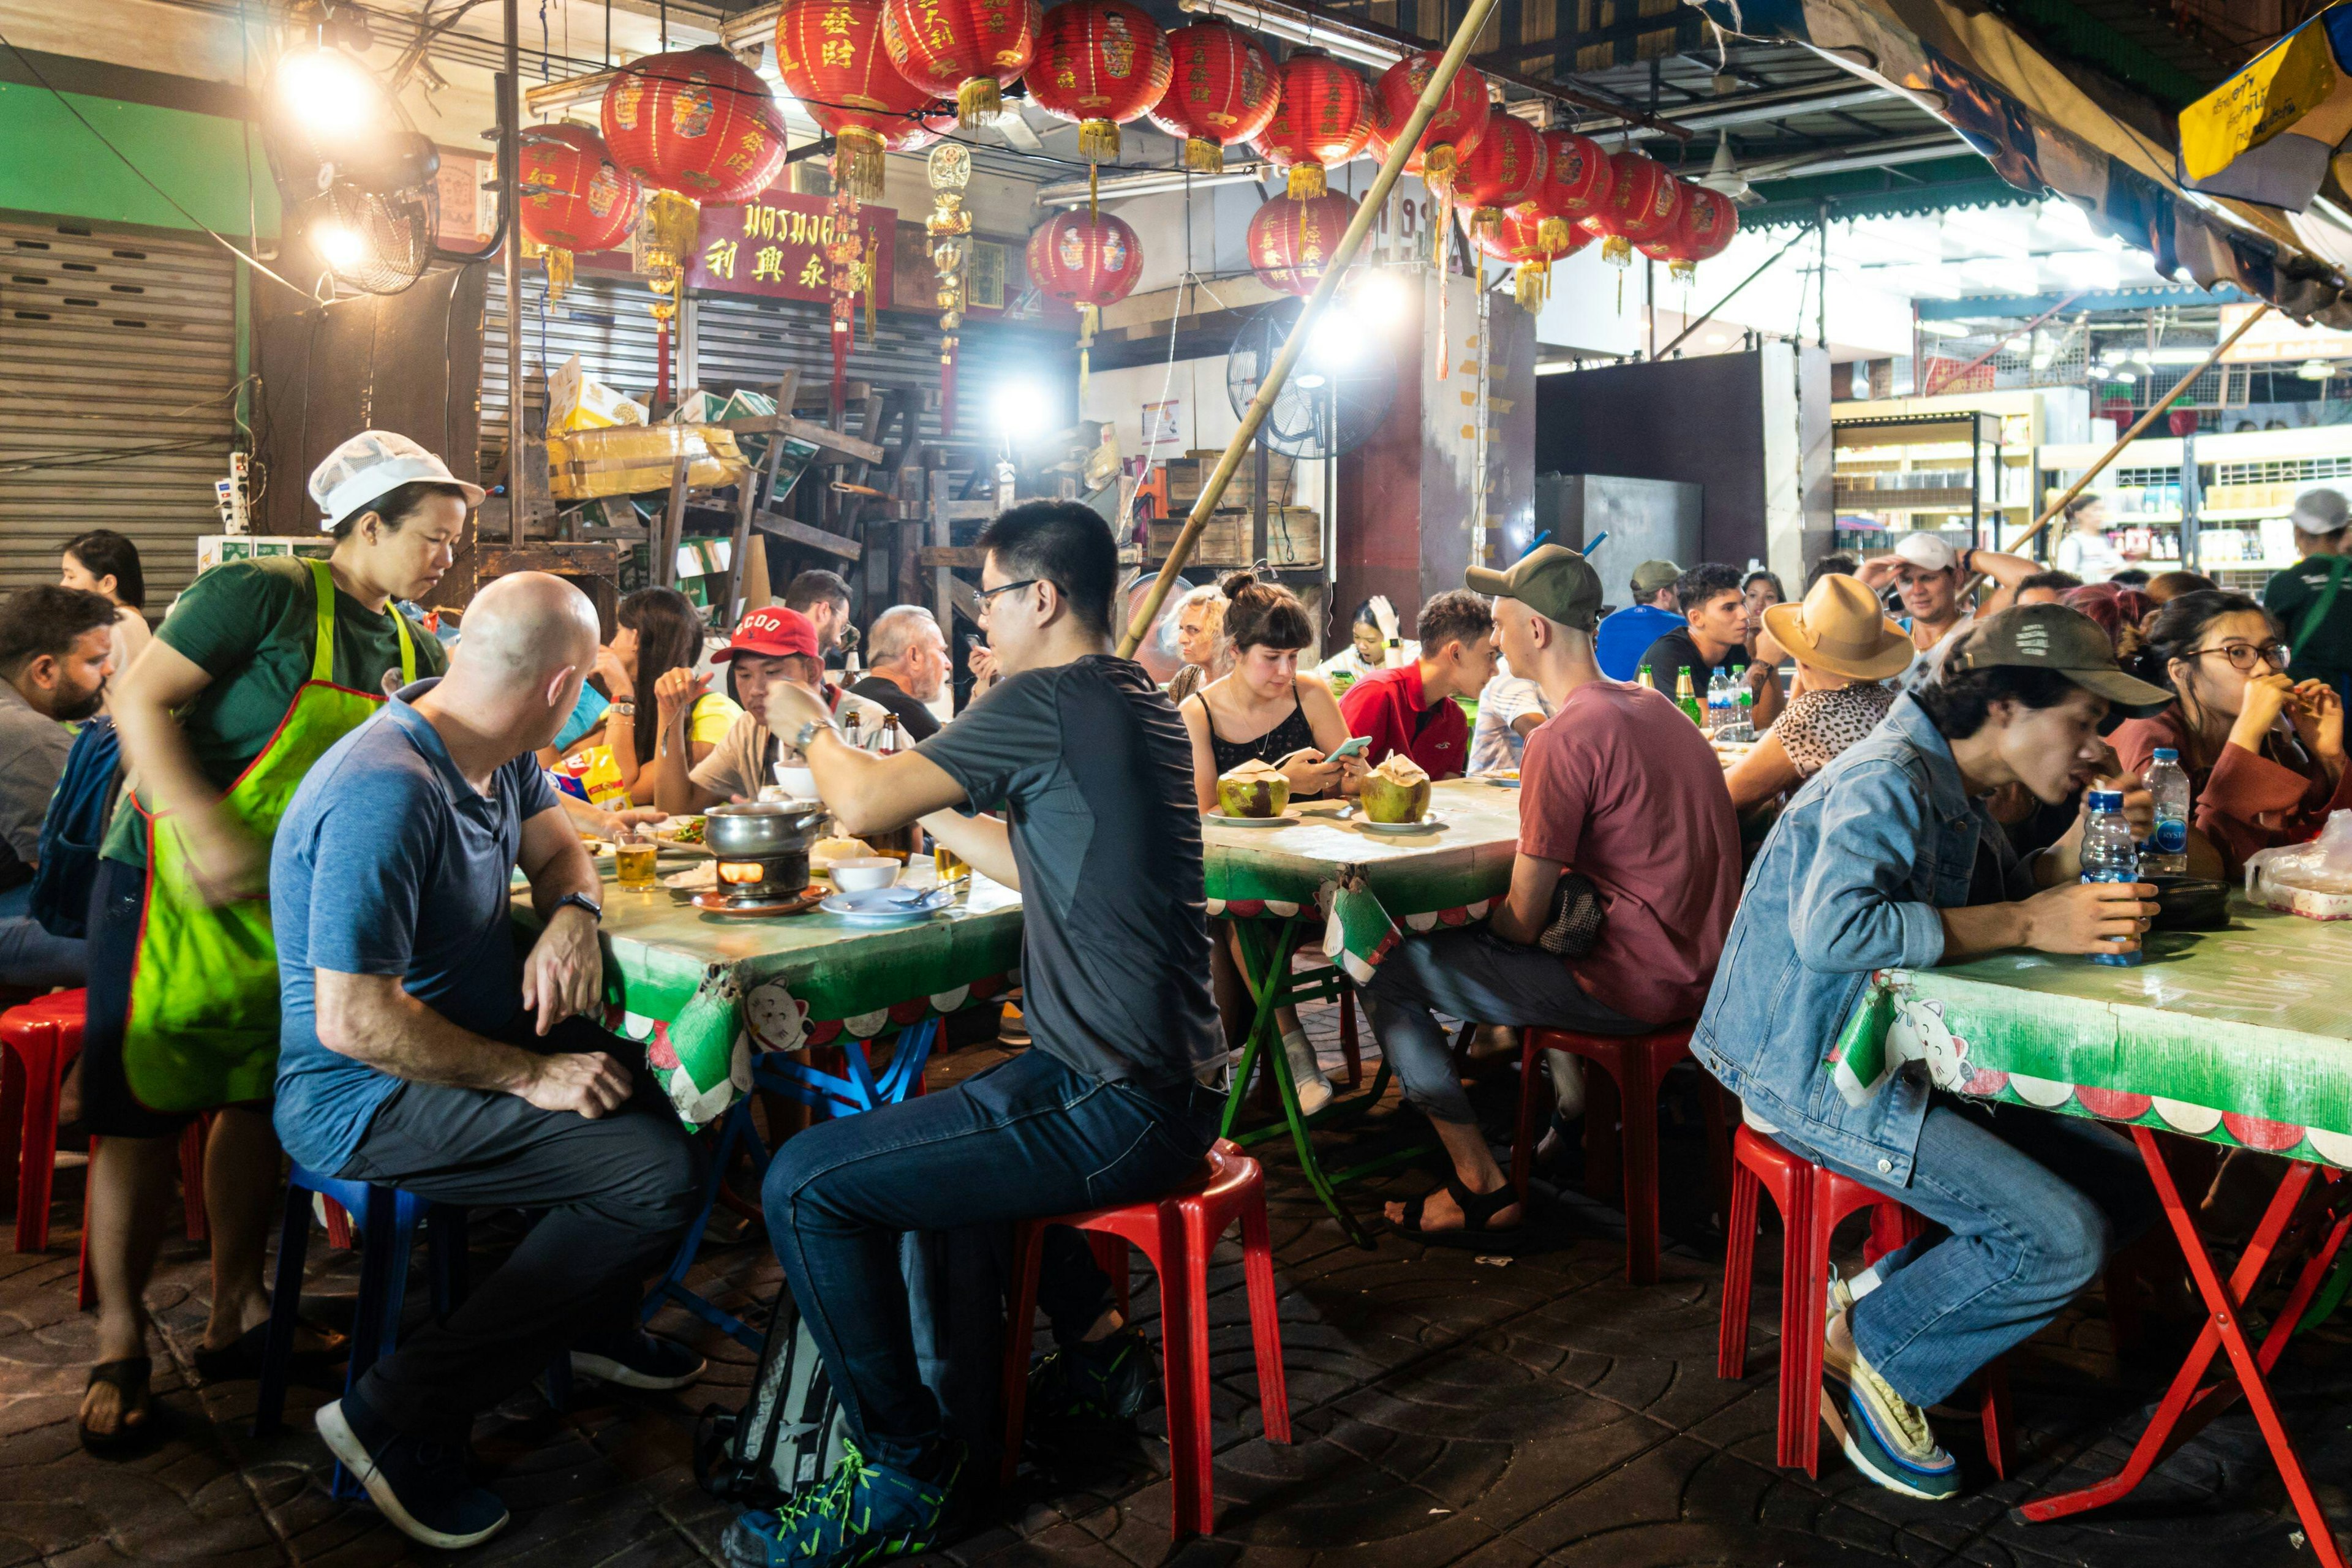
[55, 165]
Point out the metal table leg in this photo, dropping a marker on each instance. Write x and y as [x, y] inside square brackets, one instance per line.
[2186, 1406]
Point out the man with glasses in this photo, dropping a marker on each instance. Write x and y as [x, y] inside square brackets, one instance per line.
[2264, 752]
[1093, 773]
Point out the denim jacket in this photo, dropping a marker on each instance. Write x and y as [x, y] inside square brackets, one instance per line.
[1848, 882]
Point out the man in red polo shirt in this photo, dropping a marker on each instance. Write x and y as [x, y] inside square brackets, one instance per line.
[1411, 709]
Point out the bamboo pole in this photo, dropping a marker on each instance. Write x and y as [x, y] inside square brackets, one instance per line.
[2142, 422]
[1432, 95]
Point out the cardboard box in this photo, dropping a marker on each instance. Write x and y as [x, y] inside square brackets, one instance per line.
[637, 460]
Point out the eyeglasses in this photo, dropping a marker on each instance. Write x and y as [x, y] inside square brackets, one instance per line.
[2245, 656]
[987, 595]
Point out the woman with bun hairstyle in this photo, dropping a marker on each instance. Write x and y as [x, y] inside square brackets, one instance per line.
[2264, 754]
[1266, 711]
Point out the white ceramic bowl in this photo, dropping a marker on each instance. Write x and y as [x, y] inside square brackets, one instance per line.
[799, 784]
[858, 876]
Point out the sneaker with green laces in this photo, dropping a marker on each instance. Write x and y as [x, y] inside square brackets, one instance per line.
[863, 1513]
[1886, 1436]
[1107, 1382]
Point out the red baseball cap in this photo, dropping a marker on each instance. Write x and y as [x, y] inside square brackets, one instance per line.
[776, 631]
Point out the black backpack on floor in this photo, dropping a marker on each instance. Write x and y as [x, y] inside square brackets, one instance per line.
[789, 1434]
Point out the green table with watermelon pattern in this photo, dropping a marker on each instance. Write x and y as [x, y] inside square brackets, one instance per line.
[2241, 1037]
[1364, 891]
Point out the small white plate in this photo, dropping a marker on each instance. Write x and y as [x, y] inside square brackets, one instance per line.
[1215, 819]
[1429, 823]
[1500, 781]
[699, 879]
[887, 906]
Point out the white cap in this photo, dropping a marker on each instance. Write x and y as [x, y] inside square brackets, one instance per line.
[372, 464]
[2322, 511]
[1928, 552]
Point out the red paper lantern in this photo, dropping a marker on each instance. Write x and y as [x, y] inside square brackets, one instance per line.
[964, 50]
[1292, 240]
[1702, 232]
[1452, 131]
[1531, 240]
[1086, 259]
[1501, 171]
[830, 53]
[1323, 118]
[1100, 63]
[696, 122]
[1643, 202]
[585, 200]
[1575, 182]
[1223, 90]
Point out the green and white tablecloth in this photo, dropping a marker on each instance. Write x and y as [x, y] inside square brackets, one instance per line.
[2237, 1037]
[1370, 888]
[703, 992]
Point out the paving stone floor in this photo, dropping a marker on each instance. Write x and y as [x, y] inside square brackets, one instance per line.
[1447, 1411]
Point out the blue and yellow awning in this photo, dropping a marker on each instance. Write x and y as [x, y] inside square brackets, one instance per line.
[2271, 132]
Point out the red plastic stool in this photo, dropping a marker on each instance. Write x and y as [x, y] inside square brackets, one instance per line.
[1636, 1063]
[1177, 1233]
[1812, 1201]
[38, 1042]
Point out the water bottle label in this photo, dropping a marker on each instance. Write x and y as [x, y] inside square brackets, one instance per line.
[2105, 875]
[2171, 835]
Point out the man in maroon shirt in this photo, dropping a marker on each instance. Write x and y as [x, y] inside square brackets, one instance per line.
[1411, 709]
[1617, 786]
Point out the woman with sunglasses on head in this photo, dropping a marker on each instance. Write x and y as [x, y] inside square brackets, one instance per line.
[2264, 754]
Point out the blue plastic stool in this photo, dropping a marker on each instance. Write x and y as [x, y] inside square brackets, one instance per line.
[388, 1220]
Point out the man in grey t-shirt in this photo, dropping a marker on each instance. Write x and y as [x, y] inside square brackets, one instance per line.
[56, 653]
[1091, 768]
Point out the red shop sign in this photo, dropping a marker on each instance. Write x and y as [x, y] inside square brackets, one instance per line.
[775, 247]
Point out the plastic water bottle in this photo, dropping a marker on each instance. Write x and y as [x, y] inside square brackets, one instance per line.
[1745, 697]
[2110, 854]
[1719, 707]
[2166, 854]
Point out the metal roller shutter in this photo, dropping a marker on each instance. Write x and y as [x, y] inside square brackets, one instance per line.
[742, 341]
[118, 381]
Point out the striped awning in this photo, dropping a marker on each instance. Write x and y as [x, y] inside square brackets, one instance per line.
[2043, 127]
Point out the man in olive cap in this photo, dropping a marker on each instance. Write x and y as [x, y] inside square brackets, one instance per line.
[1651, 613]
[1889, 859]
[1616, 786]
[2308, 599]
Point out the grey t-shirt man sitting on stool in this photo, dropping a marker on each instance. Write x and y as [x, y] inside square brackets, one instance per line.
[56, 657]
[419, 1049]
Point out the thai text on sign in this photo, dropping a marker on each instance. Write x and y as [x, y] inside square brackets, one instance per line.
[777, 244]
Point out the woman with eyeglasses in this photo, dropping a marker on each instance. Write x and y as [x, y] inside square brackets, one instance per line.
[2264, 754]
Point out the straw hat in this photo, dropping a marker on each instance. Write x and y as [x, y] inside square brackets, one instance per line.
[1839, 629]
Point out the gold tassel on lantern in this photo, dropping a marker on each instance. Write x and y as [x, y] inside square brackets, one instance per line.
[1306, 182]
[1486, 218]
[1204, 156]
[1683, 272]
[1553, 234]
[1089, 322]
[1617, 250]
[1099, 141]
[1532, 287]
[979, 101]
[857, 163]
[1437, 166]
[558, 274]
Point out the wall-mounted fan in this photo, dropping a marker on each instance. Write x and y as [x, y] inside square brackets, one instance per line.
[1336, 396]
[357, 179]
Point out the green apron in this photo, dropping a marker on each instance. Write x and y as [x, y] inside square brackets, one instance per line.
[202, 1026]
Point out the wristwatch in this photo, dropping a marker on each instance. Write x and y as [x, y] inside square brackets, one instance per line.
[625, 710]
[582, 900]
[808, 733]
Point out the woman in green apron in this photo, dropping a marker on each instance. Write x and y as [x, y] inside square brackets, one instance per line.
[260, 667]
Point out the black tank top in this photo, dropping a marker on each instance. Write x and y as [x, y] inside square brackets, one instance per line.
[1291, 735]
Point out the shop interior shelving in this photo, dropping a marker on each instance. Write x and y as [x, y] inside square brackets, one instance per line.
[1958, 470]
[2229, 519]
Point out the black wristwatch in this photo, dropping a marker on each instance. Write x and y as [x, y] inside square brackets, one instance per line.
[582, 900]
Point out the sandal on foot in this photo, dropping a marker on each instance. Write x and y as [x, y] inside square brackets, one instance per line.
[128, 1379]
[241, 1359]
[1474, 1233]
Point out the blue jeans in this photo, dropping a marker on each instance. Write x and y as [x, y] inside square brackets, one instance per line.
[2034, 1204]
[29, 955]
[1030, 1137]
[1479, 977]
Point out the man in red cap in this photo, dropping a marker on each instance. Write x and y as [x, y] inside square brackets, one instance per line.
[771, 647]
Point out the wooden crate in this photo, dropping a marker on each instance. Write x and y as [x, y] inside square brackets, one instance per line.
[1293, 537]
[1187, 475]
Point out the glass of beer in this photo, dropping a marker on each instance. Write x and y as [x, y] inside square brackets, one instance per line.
[951, 864]
[634, 852]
